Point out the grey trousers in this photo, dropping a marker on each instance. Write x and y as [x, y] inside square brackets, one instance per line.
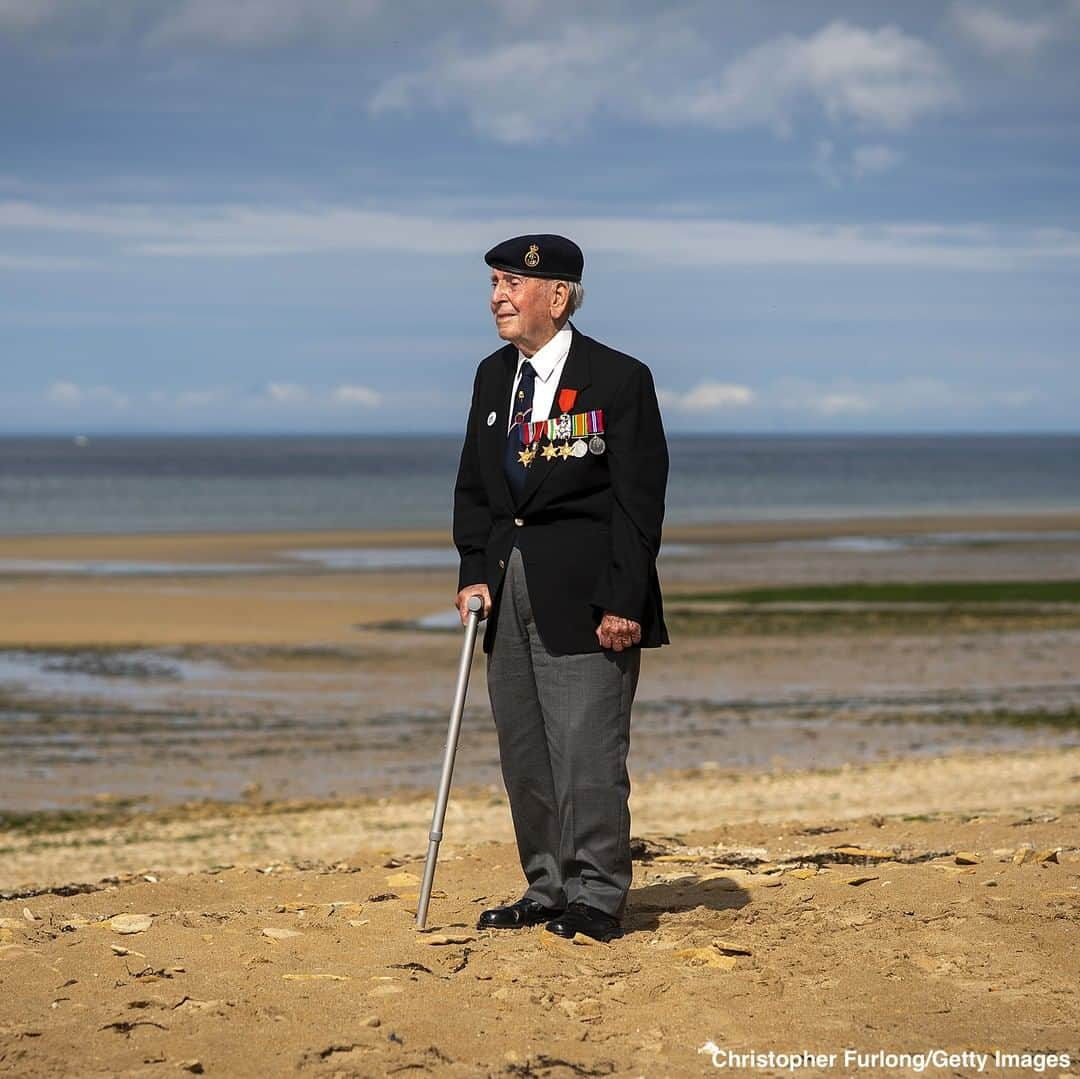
[563, 723]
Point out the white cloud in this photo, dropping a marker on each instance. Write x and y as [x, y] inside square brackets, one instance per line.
[1019, 397]
[915, 397]
[880, 78]
[303, 400]
[201, 398]
[356, 395]
[71, 395]
[839, 404]
[865, 161]
[242, 231]
[998, 34]
[582, 69]
[285, 393]
[189, 399]
[708, 397]
[869, 160]
[877, 78]
[64, 393]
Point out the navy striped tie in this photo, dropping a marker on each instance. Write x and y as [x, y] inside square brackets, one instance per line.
[521, 413]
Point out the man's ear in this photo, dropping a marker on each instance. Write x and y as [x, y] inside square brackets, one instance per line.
[560, 297]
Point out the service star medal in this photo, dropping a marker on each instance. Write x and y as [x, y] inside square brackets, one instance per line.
[562, 426]
[532, 257]
[550, 452]
[566, 450]
[525, 457]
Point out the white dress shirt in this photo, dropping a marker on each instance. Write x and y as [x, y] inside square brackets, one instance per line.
[548, 364]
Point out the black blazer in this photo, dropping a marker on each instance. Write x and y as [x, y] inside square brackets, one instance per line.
[589, 528]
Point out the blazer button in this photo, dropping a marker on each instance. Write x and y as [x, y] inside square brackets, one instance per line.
[519, 521]
[502, 564]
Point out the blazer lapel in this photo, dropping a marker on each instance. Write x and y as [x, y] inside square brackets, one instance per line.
[575, 375]
[498, 401]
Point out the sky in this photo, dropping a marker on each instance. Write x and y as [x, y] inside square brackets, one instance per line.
[270, 215]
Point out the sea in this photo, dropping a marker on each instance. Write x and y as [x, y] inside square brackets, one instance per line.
[268, 483]
[187, 722]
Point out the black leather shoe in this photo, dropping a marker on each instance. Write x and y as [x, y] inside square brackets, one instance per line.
[518, 915]
[581, 918]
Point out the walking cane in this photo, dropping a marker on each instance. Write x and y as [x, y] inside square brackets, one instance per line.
[476, 605]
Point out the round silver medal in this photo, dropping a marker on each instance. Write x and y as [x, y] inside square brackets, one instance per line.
[491, 419]
[579, 449]
[597, 444]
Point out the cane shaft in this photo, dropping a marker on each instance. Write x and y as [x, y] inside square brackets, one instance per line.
[438, 817]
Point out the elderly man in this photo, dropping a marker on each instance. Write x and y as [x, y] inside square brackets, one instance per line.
[558, 508]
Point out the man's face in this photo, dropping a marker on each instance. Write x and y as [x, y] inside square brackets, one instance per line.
[522, 309]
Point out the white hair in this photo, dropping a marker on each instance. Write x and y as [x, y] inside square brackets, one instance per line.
[577, 296]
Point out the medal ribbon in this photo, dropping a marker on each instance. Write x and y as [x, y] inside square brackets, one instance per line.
[581, 423]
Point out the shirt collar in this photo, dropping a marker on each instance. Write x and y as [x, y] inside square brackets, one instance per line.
[550, 355]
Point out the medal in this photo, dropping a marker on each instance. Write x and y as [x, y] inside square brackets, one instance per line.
[525, 457]
[565, 450]
[579, 449]
[568, 425]
[549, 452]
[597, 444]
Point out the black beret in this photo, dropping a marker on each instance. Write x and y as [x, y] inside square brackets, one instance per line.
[542, 255]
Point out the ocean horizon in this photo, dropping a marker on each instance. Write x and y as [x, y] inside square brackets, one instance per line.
[115, 484]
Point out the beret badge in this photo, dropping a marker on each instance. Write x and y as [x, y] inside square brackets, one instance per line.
[532, 256]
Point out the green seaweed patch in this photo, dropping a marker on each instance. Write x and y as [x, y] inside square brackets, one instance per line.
[883, 619]
[46, 821]
[1062, 719]
[1041, 591]
[123, 812]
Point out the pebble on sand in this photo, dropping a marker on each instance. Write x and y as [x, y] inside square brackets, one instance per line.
[130, 923]
[403, 880]
[445, 938]
[280, 934]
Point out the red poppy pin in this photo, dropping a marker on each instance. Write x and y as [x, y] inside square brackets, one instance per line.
[567, 399]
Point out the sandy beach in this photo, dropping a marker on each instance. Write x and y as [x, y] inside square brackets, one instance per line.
[856, 824]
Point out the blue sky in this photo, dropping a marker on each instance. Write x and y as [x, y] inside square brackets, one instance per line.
[270, 215]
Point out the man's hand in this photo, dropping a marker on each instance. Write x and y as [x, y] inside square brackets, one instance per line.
[462, 601]
[618, 633]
